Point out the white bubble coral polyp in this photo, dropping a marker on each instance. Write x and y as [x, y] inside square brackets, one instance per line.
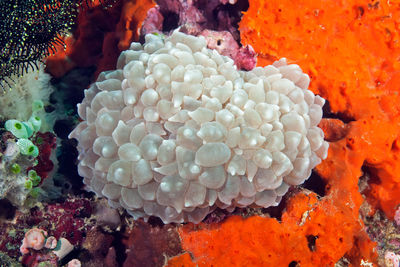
[177, 131]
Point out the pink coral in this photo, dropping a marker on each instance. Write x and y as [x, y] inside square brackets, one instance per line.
[245, 57]
[51, 242]
[397, 216]
[47, 250]
[74, 263]
[153, 22]
[194, 16]
[34, 238]
[392, 259]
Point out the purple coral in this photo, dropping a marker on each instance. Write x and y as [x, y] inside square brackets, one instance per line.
[215, 20]
[397, 216]
[225, 44]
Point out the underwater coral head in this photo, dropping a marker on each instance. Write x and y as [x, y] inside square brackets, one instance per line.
[31, 30]
[177, 131]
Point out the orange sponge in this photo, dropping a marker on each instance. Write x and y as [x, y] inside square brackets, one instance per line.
[312, 233]
[351, 50]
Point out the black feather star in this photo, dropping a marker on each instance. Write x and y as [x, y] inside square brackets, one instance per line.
[30, 30]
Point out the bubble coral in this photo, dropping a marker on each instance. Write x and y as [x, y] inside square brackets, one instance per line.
[177, 131]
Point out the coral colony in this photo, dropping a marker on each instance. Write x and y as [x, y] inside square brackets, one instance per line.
[270, 126]
[177, 131]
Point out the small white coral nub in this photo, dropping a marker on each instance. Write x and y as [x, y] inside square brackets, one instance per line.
[177, 131]
[74, 263]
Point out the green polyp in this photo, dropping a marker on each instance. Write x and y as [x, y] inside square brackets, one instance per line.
[28, 184]
[17, 128]
[34, 192]
[15, 168]
[36, 180]
[34, 152]
[32, 174]
[27, 147]
[36, 122]
[29, 128]
[37, 105]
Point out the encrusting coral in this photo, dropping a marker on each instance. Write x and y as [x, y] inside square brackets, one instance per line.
[177, 131]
